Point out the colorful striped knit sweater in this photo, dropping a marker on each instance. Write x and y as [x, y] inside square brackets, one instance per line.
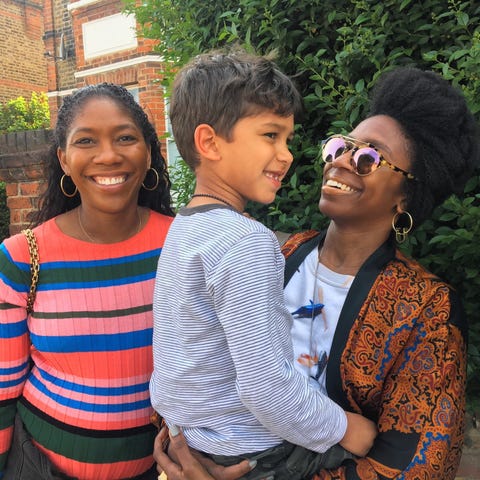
[86, 401]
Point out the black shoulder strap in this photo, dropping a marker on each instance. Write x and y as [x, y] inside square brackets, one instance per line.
[293, 261]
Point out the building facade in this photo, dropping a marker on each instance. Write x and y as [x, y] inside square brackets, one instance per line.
[23, 65]
[57, 46]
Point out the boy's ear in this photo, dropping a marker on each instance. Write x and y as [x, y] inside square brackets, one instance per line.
[205, 142]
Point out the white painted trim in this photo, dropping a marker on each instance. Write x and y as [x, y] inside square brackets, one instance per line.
[81, 4]
[119, 65]
[61, 93]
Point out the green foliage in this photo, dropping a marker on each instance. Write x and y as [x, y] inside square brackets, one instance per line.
[447, 244]
[19, 114]
[4, 213]
[335, 50]
[183, 183]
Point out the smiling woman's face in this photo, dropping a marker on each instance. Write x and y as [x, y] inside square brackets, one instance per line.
[361, 202]
[106, 155]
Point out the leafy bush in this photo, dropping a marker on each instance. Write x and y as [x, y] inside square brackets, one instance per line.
[19, 114]
[335, 50]
[183, 183]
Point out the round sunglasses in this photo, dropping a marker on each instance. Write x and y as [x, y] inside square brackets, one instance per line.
[365, 157]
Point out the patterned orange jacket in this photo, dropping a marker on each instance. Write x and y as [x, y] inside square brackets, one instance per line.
[399, 358]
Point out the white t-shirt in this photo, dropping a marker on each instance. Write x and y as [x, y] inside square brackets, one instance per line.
[313, 327]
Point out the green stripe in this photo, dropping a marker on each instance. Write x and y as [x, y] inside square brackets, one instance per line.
[7, 415]
[97, 273]
[7, 306]
[123, 312]
[12, 272]
[3, 461]
[88, 449]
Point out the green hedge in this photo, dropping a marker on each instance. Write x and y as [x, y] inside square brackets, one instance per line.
[335, 50]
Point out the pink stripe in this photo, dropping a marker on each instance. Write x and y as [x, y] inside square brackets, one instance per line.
[98, 299]
[13, 351]
[89, 398]
[5, 439]
[66, 327]
[97, 382]
[89, 420]
[117, 366]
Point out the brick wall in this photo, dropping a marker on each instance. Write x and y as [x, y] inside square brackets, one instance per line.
[21, 49]
[22, 166]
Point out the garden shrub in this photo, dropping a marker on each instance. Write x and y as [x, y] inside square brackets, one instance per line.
[335, 50]
[20, 114]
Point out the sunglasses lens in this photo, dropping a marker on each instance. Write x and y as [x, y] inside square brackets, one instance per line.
[333, 148]
[366, 160]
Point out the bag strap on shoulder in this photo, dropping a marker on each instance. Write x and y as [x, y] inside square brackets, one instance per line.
[34, 267]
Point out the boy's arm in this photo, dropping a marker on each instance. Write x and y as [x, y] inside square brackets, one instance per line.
[248, 293]
[360, 434]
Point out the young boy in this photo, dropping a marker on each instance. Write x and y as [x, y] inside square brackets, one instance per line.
[223, 358]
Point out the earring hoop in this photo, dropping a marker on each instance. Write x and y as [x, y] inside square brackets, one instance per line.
[157, 180]
[401, 233]
[62, 188]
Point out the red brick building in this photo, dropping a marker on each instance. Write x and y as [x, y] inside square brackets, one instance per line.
[91, 41]
[23, 65]
[56, 46]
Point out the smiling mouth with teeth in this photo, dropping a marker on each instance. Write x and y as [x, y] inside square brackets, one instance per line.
[109, 180]
[274, 176]
[341, 186]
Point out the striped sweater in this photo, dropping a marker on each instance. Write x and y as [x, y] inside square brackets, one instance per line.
[86, 401]
[223, 355]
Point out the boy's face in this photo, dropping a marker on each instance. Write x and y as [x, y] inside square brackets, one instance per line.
[257, 158]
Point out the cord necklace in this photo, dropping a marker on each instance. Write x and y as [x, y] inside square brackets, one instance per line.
[209, 195]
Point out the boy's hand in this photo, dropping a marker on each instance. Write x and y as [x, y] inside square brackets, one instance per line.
[360, 434]
[183, 463]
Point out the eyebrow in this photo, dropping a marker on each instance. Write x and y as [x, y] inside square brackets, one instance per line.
[116, 128]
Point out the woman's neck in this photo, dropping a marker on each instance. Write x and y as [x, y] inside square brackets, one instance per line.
[102, 228]
[345, 251]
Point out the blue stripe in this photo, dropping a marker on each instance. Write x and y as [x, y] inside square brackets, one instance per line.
[93, 343]
[97, 391]
[100, 263]
[96, 283]
[21, 287]
[13, 330]
[18, 287]
[16, 369]
[15, 382]
[87, 406]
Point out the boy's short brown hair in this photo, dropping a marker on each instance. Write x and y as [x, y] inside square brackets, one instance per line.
[220, 88]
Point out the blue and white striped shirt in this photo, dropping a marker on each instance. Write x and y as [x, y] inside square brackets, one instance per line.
[223, 356]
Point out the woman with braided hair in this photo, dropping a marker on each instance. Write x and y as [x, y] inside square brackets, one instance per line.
[74, 373]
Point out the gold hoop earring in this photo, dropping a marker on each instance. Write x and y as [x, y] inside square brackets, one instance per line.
[401, 233]
[62, 188]
[157, 180]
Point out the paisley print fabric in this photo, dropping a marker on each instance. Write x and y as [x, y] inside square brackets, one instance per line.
[400, 360]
